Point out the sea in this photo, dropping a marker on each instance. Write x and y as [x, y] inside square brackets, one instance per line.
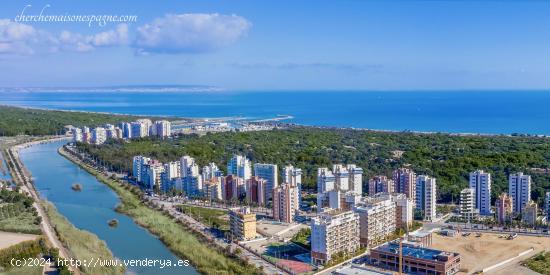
[486, 112]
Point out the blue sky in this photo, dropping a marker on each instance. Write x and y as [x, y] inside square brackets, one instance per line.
[272, 45]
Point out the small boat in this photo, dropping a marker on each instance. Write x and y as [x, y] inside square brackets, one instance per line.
[113, 223]
[77, 187]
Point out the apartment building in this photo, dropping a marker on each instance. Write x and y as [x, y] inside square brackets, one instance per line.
[405, 182]
[239, 166]
[468, 209]
[293, 175]
[377, 217]
[519, 188]
[355, 179]
[163, 128]
[269, 173]
[242, 224]
[480, 181]
[285, 203]
[547, 206]
[504, 208]
[255, 190]
[529, 214]
[99, 135]
[381, 184]
[333, 232]
[426, 197]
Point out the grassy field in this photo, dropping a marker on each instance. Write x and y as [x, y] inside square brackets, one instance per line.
[540, 263]
[203, 256]
[17, 213]
[83, 245]
[207, 216]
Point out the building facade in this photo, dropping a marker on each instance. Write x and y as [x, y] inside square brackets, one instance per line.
[468, 209]
[269, 173]
[381, 184]
[504, 208]
[333, 232]
[239, 166]
[405, 182]
[426, 195]
[285, 203]
[480, 181]
[255, 190]
[519, 188]
[242, 224]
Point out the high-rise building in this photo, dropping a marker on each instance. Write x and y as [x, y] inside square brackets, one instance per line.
[162, 128]
[426, 197]
[529, 214]
[242, 223]
[405, 182]
[480, 181]
[233, 187]
[99, 135]
[255, 190]
[77, 135]
[139, 130]
[504, 208]
[239, 166]
[547, 206]
[210, 171]
[213, 188]
[341, 177]
[293, 175]
[126, 130]
[285, 203]
[468, 209]
[138, 170]
[332, 233]
[191, 177]
[172, 171]
[154, 174]
[325, 180]
[355, 179]
[269, 173]
[380, 184]
[519, 188]
[376, 220]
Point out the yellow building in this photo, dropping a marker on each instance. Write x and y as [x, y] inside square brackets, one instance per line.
[242, 223]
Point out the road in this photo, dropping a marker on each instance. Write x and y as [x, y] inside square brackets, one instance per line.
[219, 240]
[22, 177]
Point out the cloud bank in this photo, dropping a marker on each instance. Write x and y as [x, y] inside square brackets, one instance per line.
[190, 33]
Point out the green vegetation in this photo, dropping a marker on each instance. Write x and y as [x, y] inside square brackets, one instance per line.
[17, 213]
[22, 250]
[449, 158]
[540, 263]
[202, 253]
[82, 245]
[24, 270]
[210, 217]
[16, 121]
[301, 238]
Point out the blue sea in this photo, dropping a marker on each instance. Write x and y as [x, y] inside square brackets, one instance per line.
[493, 112]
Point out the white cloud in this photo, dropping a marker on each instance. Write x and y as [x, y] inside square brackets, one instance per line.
[77, 42]
[190, 33]
[22, 39]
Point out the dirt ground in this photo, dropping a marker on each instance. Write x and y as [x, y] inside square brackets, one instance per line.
[481, 252]
[8, 239]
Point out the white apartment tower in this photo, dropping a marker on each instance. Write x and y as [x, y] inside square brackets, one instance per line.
[269, 173]
[480, 181]
[341, 177]
[239, 166]
[519, 188]
[468, 209]
[325, 180]
[355, 179]
[99, 135]
[426, 196]
[162, 128]
[293, 176]
[333, 232]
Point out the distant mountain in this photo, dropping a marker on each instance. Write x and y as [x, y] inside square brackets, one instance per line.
[124, 89]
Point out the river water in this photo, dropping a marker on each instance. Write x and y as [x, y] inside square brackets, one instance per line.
[93, 207]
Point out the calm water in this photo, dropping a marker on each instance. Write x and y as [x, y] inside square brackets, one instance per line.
[469, 112]
[4, 173]
[93, 207]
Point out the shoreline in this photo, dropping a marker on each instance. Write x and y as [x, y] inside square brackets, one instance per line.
[275, 119]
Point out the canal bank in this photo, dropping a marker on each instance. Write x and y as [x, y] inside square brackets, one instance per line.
[92, 208]
[202, 252]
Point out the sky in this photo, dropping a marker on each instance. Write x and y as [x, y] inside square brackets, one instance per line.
[281, 45]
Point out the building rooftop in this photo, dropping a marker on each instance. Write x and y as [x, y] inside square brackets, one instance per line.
[415, 252]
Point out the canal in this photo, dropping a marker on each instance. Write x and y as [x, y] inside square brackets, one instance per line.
[93, 207]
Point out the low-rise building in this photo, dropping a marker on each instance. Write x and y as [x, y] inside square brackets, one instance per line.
[415, 260]
[242, 223]
[333, 232]
[529, 214]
